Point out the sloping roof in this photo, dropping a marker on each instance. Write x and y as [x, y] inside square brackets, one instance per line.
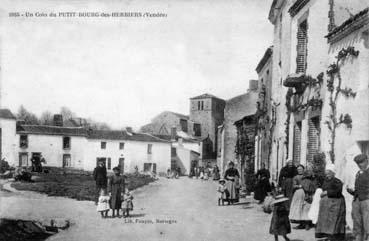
[181, 116]
[51, 130]
[123, 135]
[204, 96]
[6, 114]
[245, 102]
[297, 6]
[268, 53]
[353, 23]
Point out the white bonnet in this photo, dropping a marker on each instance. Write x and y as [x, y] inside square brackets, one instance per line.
[331, 167]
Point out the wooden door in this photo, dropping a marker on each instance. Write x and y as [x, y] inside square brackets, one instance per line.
[121, 165]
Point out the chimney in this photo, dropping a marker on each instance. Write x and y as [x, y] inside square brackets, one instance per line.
[58, 120]
[129, 129]
[173, 133]
[253, 85]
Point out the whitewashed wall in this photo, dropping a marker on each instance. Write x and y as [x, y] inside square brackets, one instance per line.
[8, 140]
[51, 148]
[134, 154]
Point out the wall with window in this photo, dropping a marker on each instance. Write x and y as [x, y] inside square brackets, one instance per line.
[56, 150]
[134, 153]
[8, 140]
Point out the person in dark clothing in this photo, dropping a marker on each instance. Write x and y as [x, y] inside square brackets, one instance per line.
[360, 204]
[232, 177]
[332, 208]
[280, 224]
[100, 177]
[216, 174]
[285, 181]
[116, 188]
[263, 184]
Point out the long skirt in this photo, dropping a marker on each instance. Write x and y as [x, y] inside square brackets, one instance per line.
[299, 207]
[287, 187]
[314, 209]
[331, 218]
[231, 187]
[262, 189]
[279, 225]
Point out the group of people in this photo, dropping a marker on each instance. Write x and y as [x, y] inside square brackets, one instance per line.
[37, 163]
[306, 201]
[229, 186]
[205, 172]
[111, 192]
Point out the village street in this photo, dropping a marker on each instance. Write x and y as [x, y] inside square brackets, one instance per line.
[190, 204]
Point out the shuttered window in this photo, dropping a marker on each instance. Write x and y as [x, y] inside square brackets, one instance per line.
[313, 138]
[301, 58]
[297, 142]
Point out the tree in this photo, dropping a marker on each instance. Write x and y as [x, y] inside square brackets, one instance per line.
[46, 118]
[28, 117]
[67, 113]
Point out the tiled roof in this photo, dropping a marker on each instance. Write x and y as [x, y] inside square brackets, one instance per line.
[6, 114]
[268, 53]
[91, 134]
[181, 116]
[353, 23]
[206, 95]
[51, 130]
[123, 135]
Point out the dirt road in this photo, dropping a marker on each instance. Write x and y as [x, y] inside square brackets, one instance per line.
[180, 209]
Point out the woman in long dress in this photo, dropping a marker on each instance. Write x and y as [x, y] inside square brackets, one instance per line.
[232, 176]
[332, 211]
[116, 186]
[286, 179]
[302, 198]
[263, 184]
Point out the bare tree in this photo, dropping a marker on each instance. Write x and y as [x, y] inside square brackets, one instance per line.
[67, 113]
[28, 117]
[46, 118]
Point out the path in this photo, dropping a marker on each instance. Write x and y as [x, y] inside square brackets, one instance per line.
[190, 204]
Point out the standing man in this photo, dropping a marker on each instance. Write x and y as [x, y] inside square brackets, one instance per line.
[360, 204]
[100, 176]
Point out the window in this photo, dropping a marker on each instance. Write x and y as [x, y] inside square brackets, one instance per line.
[66, 142]
[198, 105]
[67, 160]
[301, 58]
[121, 145]
[183, 124]
[23, 159]
[149, 148]
[103, 145]
[197, 129]
[23, 141]
[202, 105]
[109, 164]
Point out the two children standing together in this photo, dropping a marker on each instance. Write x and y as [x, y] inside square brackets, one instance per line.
[103, 205]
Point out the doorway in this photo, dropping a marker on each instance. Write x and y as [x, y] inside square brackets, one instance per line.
[23, 159]
[121, 165]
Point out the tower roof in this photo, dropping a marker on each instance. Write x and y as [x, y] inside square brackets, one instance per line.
[204, 96]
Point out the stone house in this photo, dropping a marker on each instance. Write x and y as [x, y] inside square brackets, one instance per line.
[308, 36]
[7, 136]
[265, 110]
[235, 109]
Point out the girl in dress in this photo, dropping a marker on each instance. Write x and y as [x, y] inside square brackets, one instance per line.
[127, 204]
[223, 192]
[103, 203]
[280, 223]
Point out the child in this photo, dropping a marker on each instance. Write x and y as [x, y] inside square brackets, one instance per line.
[223, 192]
[103, 203]
[127, 204]
[280, 223]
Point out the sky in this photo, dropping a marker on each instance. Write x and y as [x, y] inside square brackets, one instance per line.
[126, 70]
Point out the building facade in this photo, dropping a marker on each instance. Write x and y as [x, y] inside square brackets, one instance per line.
[7, 135]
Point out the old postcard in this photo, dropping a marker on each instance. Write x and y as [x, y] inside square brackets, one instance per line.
[207, 120]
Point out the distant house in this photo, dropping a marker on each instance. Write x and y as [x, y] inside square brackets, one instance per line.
[82, 148]
[7, 135]
[236, 109]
